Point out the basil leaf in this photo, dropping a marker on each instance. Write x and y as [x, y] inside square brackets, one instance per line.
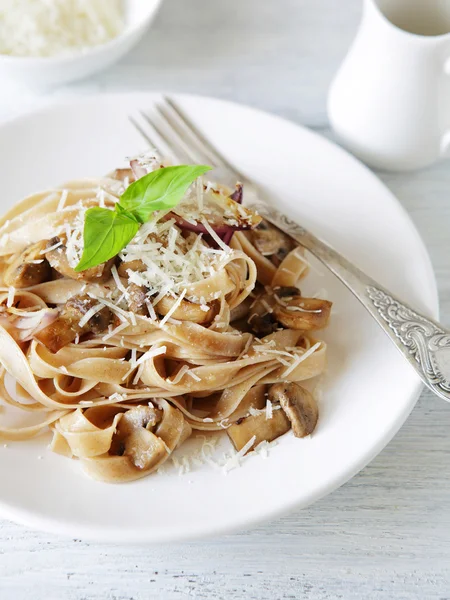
[159, 190]
[106, 232]
[119, 209]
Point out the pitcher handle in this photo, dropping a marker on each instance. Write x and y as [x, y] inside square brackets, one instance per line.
[445, 140]
[445, 144]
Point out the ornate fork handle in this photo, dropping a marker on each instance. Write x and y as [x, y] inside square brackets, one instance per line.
[422, 341]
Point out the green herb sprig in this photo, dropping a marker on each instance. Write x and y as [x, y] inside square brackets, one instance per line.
[107, 232]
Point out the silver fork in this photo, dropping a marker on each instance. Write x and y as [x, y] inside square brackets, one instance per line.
[422, 341]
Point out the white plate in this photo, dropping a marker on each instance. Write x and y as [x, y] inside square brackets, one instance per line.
[369, 389]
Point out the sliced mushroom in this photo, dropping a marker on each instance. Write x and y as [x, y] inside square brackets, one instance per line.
[260, 315]
[302, 313]
[287, 293]
[136, 299]
[144, 448]
[29, 268]
[57, 257]
[144, 439]
[133, 265]
[139, 416]
[271, 242]
[299, 405]
[263, 325]
[65, 328]
[135, 438]
[241, 310]
[259, 426]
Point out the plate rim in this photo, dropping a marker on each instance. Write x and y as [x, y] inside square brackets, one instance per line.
[115, 534]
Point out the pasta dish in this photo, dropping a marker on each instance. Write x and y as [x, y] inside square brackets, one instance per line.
[142, 307]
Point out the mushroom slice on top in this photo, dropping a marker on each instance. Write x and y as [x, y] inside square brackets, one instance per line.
[132, 265]
[259, 426]
[65, 328]
[271, 242]
[299, 405]
[135, 438]
[29, 268]
[139, 416]
[57, 257]
[302, 313]
[260, 315]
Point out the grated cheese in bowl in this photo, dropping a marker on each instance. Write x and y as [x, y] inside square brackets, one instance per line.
[44, 28]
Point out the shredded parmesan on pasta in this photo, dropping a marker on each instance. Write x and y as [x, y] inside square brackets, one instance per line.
[301, 358]
[171, 293]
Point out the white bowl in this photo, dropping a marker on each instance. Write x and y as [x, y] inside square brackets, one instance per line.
[50, 71]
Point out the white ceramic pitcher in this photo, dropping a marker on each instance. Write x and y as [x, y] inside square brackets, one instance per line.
[390, 101]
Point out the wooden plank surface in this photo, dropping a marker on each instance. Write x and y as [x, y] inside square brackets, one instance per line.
[386, 533]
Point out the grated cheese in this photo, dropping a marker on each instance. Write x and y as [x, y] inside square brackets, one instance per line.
[54, 247]
[179, 376]
[117, 280]
[75, 240]
[151, 354]
[263, 350]
[58, 27]
[62, 200]
[151, 310]
[245, 349]
[11, 294]
[122, 314]
[138, 373]
[300, 309]
[172, 261]
[174, 307]
[234, 461]
[116, 397]
[90, 313]
[215, 237]
[301, 358]
[115, 331]
[269, 409]
[194, 376]
[263, 449]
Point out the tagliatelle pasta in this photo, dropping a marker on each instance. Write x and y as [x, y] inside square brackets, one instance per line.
[197, 324]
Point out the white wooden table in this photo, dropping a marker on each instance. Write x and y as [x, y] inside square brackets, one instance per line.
[386, 533]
